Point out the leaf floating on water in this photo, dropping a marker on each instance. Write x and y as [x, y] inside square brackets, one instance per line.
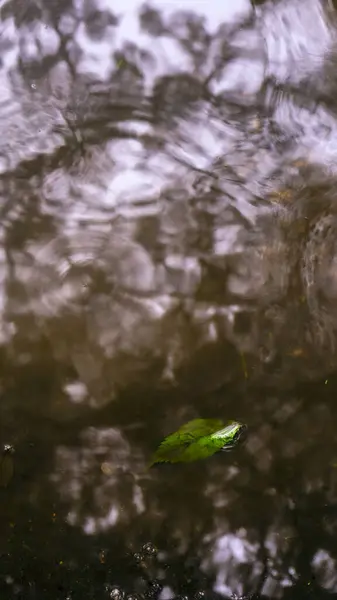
[198, 439]
[6, 466]
[199, 427]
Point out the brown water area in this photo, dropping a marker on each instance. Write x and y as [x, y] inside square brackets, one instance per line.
[168, 252]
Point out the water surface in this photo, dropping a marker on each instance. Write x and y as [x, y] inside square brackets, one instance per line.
[167, 240]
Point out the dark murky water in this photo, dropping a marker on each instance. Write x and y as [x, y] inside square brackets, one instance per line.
[168, 251]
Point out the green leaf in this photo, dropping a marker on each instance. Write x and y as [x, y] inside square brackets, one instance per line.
[200, 427]
[198, 439]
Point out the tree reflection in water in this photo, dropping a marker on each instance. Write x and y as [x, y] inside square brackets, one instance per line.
[168, 252]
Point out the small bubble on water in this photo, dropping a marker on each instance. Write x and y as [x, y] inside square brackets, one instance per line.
[200, 595]
[8, 448]
[154, 588]
[138, 557]
[116, 593]
[149, 549]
